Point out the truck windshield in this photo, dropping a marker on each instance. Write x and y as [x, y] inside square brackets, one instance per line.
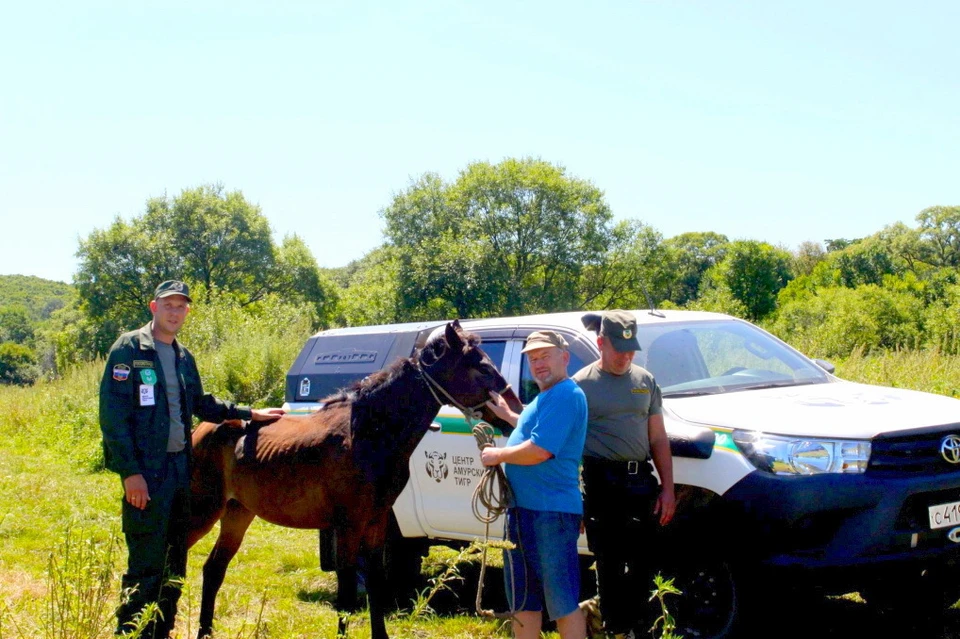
[701, 358]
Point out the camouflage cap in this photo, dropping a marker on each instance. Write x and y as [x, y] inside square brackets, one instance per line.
[545, 339]
[620, 327]
[172, 287]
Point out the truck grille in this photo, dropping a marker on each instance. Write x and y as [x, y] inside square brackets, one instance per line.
[913, 453]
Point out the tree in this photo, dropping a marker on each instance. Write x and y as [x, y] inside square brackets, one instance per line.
[904, 245]
[691, 255]
[296, 276]
[753, 273]
[218, 239]
[865, 262]
[371, 295]
[18, 364]
[212, 239]
[15, 325]
[503, 239]
[118, 269]
[636, 265]
[839, 244]
[940, 232]
[808, 255]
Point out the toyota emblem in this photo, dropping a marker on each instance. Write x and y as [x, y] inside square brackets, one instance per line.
[950, 448]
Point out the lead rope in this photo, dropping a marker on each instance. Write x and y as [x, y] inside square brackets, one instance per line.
[493, 493]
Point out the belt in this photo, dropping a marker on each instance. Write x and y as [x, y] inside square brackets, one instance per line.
[629, 467]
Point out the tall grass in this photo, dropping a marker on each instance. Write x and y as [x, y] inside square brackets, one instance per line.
[928, 370]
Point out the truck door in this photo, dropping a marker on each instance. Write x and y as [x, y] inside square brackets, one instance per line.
[446, 465]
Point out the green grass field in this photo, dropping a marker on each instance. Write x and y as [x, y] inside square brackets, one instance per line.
[61, 553]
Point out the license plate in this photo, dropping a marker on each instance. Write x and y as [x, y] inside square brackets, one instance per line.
[944, 515]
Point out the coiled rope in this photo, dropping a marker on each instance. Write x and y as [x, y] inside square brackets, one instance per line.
[492, 495]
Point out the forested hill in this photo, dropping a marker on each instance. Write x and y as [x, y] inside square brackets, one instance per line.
[39, 296]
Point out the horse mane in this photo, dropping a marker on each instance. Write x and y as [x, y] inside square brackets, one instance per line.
[364, 396]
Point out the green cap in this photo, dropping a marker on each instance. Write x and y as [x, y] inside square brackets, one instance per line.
[545, 339]
[172, 287]
[620, 327]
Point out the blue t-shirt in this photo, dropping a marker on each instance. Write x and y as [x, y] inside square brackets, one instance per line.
[556, 420]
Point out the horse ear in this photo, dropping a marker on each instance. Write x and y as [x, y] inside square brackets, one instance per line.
[453, 335]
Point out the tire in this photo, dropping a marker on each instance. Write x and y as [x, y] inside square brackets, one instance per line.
[403, 560]
[710, 605]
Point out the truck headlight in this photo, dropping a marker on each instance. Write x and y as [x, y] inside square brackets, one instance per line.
[784, 455]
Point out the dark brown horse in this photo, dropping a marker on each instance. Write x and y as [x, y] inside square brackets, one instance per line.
[341, 468]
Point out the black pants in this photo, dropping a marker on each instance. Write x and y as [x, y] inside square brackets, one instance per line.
[157, 546]
[620, 525]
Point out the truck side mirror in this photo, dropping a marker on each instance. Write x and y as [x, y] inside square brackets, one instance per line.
[825, 365]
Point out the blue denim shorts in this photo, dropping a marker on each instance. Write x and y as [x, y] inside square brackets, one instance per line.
[544, 566]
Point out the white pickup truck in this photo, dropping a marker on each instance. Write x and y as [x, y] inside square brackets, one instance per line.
[785, 474]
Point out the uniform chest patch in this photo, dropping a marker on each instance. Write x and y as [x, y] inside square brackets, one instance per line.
[640, 391]
[147, 376]
[142, 363]
[121, 372]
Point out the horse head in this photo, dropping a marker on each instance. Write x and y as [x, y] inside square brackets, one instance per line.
[457, 365]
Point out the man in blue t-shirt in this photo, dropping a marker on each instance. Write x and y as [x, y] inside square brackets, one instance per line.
[542, 463]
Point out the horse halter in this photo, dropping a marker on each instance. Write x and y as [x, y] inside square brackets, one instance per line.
[470, 413]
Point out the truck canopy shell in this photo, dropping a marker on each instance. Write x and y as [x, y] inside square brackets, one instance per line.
[336, 358]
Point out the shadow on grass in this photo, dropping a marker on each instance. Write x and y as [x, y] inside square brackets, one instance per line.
[321, 595]
[841, 617]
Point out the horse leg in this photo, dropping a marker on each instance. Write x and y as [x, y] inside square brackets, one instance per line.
[376, 593]
[233, 525]
[374, 538]
[348, 549]
[347, 600]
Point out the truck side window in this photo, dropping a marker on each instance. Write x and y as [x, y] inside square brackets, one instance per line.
[529, 388]
[494, 351]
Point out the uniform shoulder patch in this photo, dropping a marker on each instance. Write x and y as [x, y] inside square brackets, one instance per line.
[142, 363]
[121, 372]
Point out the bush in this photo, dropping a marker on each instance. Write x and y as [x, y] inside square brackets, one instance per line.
[836, 320]
[18, 364]
[243, 352]
[942, 321]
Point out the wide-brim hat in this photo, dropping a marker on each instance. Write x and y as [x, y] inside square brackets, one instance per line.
[545, 339]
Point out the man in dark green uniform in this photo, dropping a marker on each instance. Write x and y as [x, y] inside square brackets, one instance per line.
[622, 501]
[149, 394]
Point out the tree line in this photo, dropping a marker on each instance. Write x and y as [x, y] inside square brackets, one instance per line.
[516, 237]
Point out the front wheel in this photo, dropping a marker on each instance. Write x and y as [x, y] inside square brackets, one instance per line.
[710, 603]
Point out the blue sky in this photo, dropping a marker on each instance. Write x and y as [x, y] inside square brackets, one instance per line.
[778, 121]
